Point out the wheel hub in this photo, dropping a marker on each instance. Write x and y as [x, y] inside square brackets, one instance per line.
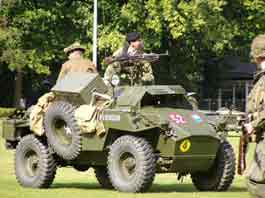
[127, 164]
[32, 164]
[62, 131]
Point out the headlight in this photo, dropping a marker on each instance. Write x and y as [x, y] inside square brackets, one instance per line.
[115, 80]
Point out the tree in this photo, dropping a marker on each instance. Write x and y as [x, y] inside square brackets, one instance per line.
[195, 32]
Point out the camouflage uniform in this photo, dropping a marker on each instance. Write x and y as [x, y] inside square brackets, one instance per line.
[256, 108]
[256, 100]
[139, 73]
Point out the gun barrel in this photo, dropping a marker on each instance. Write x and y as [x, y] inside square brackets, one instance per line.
[147, 57]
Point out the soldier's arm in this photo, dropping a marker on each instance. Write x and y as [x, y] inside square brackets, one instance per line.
[114, 68]
[91, 67]
[256, 102]
[109, 72]
[63, 72]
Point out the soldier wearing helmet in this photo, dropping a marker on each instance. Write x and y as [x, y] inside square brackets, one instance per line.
[258, 51]
[257, 94]
[256, 125]
[76, 62]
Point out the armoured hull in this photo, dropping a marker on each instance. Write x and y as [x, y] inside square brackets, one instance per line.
[179, 137]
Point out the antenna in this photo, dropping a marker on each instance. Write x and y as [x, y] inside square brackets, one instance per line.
[95, 32]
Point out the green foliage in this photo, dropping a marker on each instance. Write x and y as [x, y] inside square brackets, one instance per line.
[34, 33]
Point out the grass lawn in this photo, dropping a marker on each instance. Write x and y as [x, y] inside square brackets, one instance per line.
[70, 183]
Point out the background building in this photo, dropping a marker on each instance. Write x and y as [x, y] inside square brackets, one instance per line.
[232, 87]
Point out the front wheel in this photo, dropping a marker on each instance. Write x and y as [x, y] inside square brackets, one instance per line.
[221, 174]
[35, 166]
[131, 164]
[62, 130]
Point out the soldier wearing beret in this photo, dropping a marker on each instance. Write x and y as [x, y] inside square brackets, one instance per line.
[143, 74]
[76, 62]
[256, 113]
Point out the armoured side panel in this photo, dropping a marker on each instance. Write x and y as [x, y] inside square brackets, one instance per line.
[195, 153]
[93, 142]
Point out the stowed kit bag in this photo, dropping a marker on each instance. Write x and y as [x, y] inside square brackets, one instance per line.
[38, 111]
[88, 117]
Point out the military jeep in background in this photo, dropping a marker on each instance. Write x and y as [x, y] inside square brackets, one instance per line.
[149, 130]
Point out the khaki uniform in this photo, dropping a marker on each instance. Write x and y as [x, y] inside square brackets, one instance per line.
[38, 111]
[73, 65]
[256, 100]
[138, 73]
[256, 108]
[76, 65]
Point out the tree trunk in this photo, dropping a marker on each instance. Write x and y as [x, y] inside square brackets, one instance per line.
[18, 88]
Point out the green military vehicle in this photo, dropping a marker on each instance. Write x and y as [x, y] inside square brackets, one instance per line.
[148, 130]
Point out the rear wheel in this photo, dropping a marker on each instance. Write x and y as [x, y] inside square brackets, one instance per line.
[62, 130]
[131, 164]
[35, 166]
[221, 174]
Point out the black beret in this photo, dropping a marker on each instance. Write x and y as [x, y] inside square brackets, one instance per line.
[133, 36]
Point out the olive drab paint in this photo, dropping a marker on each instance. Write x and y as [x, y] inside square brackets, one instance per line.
[181, 137]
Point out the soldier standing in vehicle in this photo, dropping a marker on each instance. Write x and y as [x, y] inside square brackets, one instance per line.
[76, 62]
[139, 72]
[256, 114]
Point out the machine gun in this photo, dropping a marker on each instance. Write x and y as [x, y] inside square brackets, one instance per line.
[152, 57]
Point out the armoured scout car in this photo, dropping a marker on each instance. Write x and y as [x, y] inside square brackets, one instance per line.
[148, 130]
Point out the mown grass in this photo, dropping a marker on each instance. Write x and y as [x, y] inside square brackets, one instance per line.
[70, 183]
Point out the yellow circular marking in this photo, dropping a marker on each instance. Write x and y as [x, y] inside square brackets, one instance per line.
[185, 146]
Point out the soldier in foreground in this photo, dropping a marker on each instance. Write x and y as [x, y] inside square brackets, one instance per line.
[254, 130]
[76, 63]
[136, 72]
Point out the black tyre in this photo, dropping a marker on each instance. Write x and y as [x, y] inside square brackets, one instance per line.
[221, 174]
[102, 176]
[131, 164]
[62, 131]
[35, 166]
